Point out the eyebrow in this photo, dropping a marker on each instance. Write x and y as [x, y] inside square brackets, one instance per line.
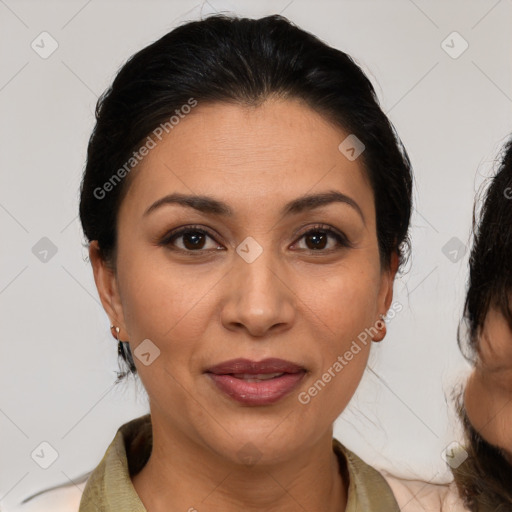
[210, 205]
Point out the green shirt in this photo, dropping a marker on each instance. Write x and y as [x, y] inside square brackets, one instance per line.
[109, 488]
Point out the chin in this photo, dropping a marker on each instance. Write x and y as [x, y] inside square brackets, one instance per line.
[252, 442]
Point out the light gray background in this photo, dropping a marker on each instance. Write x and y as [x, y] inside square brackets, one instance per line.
[58, 359]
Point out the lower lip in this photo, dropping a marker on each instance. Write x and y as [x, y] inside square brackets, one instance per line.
[264, 392]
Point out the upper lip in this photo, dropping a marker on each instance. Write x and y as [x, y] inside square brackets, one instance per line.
[271, 365]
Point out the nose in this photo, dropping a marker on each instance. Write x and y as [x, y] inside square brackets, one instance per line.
[260, 297]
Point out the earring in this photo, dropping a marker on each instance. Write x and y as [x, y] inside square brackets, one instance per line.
[116, 336]
[381, 329]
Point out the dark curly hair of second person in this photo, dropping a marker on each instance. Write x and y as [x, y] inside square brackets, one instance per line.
[485, 478]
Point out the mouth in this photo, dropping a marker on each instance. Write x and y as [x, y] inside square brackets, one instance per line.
[256, 382]
[249, 377]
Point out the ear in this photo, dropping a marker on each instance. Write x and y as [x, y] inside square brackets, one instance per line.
[386, 284]
[108, 290]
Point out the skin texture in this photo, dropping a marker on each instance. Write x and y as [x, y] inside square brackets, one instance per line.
[293, 302]
[488, 395]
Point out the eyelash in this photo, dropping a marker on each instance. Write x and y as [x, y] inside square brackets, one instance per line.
[342, 240]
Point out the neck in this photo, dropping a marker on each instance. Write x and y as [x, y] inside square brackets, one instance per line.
[182, 475]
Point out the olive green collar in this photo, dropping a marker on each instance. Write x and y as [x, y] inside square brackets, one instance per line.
[109, 488]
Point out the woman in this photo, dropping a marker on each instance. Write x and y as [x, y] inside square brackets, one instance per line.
[247, 204]
[485, 478]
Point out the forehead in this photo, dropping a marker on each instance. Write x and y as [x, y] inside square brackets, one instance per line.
[271, 152]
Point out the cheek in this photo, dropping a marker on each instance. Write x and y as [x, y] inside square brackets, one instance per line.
[489, 409]
[472, 397]
[160, 300]
[332, 385]
[173, 310]
[343, 298]
[344, 309]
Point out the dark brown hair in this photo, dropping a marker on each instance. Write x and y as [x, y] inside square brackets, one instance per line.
[484, 480]
[490, 262]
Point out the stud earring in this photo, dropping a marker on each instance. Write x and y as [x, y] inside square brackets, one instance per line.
[115, 333]
[381, 328]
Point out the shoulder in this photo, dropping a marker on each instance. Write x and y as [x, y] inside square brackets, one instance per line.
[420, 496]
[65, 498]
[127, 452]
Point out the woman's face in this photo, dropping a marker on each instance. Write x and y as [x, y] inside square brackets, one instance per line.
[254, 287]
[488, 395]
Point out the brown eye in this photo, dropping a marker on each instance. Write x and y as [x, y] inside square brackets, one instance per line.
[317, 239]
[192, 240]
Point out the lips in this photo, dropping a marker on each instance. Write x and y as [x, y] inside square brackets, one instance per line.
[245, 366]
[256, 382]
